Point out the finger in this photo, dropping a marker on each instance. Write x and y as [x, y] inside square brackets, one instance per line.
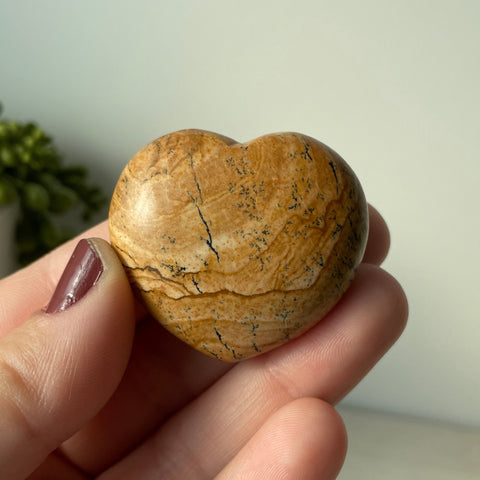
[326, 362]
[304, 439]
[31, 287]
[378, 242]
[60, 367]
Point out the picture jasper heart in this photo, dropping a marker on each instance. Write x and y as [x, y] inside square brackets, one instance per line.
[236, 248]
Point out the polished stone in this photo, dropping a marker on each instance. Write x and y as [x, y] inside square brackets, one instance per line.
[237, 248]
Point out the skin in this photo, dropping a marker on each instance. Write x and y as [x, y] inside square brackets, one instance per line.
[102, 391]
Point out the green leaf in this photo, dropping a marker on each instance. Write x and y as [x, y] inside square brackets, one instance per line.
[74, 176]
[29, 141]
[26, 156]
[3, 130]
[35, 197]
[63, 199]
[40, 137]
[14, 130]
[7, 157]
[48, 180]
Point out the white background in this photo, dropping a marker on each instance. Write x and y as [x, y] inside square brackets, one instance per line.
[392, 86]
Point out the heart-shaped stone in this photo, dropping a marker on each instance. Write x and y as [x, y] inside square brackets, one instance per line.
[236, 248]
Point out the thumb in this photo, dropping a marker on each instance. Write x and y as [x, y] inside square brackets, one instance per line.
[61, 366]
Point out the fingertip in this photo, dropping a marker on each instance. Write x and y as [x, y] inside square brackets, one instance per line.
[379, 239]
[305, 438]
[105, 322]
[321, 437]
[386, 295]
[373, 314]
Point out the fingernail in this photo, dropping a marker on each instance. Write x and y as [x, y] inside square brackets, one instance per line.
[81, 273]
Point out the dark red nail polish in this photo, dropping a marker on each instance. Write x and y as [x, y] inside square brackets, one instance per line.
[81, 273]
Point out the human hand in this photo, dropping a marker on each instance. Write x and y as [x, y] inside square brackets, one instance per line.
[101, 389]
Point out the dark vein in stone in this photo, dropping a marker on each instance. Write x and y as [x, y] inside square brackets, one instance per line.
[196, 285]
[307, 154]
[220, 338]
[208, 241]
[195, 179]
[334, 170]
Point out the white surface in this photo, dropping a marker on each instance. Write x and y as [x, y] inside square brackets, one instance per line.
[392, 86]
[393, 447]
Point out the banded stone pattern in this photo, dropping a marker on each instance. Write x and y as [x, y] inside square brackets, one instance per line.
[236, 248]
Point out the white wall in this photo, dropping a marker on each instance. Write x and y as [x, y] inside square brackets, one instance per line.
[392, 86]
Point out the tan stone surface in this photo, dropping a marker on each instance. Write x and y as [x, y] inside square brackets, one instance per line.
[237, 248]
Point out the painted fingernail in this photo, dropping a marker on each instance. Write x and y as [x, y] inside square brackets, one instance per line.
[81, 273]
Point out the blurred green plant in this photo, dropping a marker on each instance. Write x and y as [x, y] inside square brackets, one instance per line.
[32, 172]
